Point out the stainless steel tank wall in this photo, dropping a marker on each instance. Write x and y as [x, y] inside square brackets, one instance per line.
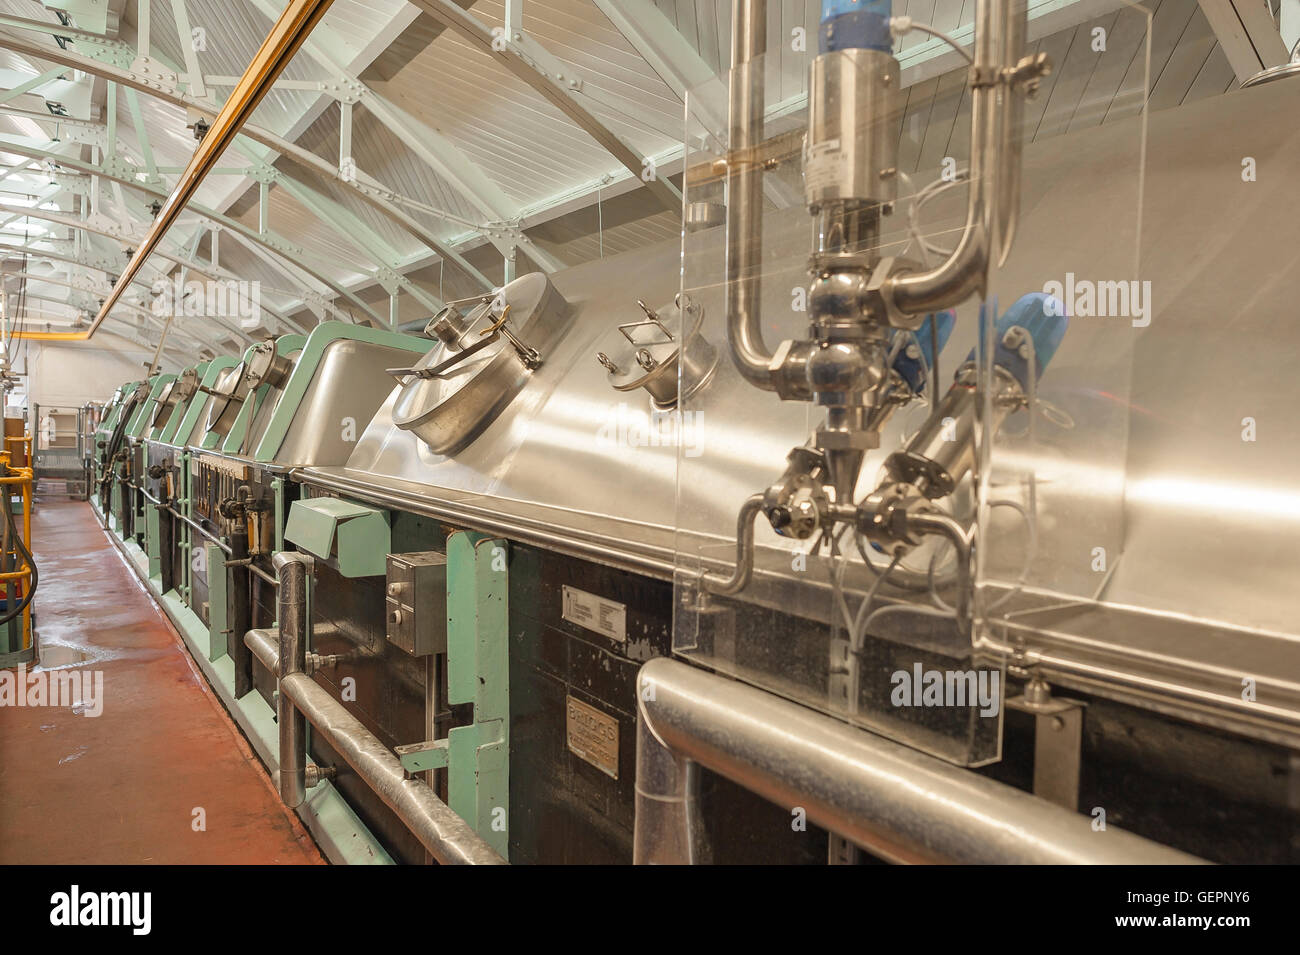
[1219, 347]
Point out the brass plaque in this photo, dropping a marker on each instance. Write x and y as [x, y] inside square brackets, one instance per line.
[593, 736]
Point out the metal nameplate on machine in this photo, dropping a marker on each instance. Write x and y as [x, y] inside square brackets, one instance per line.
[607, 617]
[592, 735]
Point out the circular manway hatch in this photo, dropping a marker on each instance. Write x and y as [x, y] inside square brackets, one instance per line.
[485, 358]
[262, 367]
[226, 399]
[176, 391]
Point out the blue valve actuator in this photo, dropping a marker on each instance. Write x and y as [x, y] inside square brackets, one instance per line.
[854, 24]
[1043, 317]
[913, 370]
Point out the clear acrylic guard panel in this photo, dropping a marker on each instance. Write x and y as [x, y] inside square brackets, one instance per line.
[803, 626]
[1152, 517]
[1072, 295]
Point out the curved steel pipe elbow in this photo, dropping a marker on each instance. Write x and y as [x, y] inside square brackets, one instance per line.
[744, 570]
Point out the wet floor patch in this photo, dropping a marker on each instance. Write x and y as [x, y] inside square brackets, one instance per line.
[75, 754]
[56, 656]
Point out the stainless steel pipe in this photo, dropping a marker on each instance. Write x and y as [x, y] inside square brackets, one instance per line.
[993, 179]
[225, 548]
[930, 522]
[746, 117]
[896, 803]
[291, 570]
[449, 839]
[743, 572]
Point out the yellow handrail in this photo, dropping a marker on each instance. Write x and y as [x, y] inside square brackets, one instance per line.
[23, 477]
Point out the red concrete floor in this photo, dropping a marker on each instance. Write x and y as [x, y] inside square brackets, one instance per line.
[123, 787]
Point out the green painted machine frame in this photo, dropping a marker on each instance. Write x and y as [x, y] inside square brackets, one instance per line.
[139, 419]
[476, 757]
[321, 337]
[164, 434]
[285, 347]
[214, 369]
[478, 672]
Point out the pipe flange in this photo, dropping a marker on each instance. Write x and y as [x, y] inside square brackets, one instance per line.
[885, 517]
[877, 297]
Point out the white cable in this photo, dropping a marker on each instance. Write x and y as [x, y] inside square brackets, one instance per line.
[901, 26]
[921, 609]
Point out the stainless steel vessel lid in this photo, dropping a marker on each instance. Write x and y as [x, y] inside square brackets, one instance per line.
[647, 353]
[262, 367]
[178, 390]
[226, 398]
[486, 356]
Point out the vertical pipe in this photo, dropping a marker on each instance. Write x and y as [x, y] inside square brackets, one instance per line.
[667, 829]
[432, 700]
[746, 114]
[291, 572]
[187, 536]
[127, 529]
[1013, 108]
[965, 271]
[239, 617]
[166, 540]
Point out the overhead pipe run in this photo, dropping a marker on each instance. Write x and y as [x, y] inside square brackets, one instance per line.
[290, 31]
[894, 802]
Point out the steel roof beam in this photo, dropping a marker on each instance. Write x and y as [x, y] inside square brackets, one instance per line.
[1247, 33]
[286, 36]
[350, 225]
[123, 319]
[161, 84]
[445, 158]
[669, 54]
[525, 59]
[120, 319]
[96, 289]
[92, 225]
[124, 239]
[273, 243]
[29, 85]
